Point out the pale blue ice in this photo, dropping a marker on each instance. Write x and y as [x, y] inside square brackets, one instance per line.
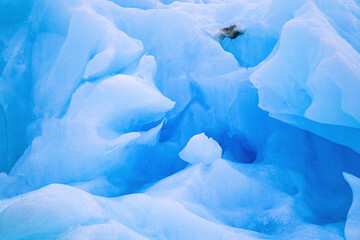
[150, 119]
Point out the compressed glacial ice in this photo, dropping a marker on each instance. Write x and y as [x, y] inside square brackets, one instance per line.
[102, 122]
[352, 230]
[151, 119]
[318, 68]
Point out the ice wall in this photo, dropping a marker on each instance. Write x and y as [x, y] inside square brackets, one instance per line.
[306, 82]
[133, 120]
[352, 230]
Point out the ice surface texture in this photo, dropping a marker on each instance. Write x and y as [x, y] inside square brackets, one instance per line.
[135, 120]
[352, 230]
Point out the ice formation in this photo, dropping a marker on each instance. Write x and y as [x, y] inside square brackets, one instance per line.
[201, 149]
[352, 230]
[153, 119]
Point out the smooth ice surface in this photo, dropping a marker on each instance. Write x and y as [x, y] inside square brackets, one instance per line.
[109, 230]
[201, 149]
[48, 210]
[104, 103]
[352, 230]
[102, 120]
[312, 79]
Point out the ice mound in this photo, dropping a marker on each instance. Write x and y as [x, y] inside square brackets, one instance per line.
[49, 210]
[201, 149]
[179, 207]
[223, 186]
[224, 190]
[93, 216]
[108, 230]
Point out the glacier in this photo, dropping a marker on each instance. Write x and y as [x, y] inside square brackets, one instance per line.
[188, 119]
